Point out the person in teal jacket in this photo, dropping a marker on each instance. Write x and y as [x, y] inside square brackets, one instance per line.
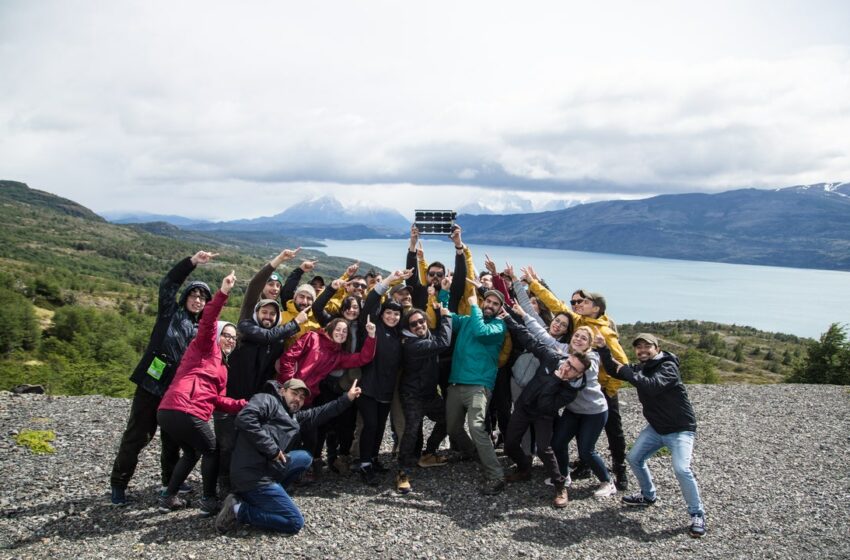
[480, 336]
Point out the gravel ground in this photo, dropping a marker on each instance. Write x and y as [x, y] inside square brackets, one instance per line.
[773, 464]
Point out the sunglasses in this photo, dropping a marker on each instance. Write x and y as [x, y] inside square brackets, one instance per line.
[418, 322]
[579, 301]
[359, 286]
[436, 273]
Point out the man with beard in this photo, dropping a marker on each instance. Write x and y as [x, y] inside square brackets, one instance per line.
[480, 336]
[299, 298]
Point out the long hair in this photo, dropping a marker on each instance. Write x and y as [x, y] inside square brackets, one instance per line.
[329, 329]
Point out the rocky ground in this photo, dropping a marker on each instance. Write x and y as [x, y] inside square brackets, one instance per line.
[773, 464]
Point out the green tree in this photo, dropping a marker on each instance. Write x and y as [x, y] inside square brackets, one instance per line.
[698, 367]
[739, 351]
[827, 360]
[20, 325]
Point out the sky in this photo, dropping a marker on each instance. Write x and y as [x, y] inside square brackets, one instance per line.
[234, 110]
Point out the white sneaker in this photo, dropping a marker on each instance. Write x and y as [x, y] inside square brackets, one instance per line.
[568, 482]
[605, 489]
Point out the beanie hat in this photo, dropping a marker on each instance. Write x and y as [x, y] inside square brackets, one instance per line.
[496, 294]
[275, 277]
[306, 289]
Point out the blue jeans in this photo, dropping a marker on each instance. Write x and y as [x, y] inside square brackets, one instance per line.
[681, 445]
[269, 506]
[586, 429]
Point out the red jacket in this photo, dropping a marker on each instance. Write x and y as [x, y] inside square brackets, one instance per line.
[200, 383]
[315, 355]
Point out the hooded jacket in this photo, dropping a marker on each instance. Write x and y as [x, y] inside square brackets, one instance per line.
[200, 384]
[422, 360]
[546, 393]
[315, 355]
[601, 324]
[252, 362]
[172, 332]
[289, 314]
[266, 427]
[479, 342]
[665, 401]
[380, 375]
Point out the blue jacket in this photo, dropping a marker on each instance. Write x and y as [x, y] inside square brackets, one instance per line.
[476, 354]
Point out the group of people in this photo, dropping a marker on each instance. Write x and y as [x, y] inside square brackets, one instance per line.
[313, 370]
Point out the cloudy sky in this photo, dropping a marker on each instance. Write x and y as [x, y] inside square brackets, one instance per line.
[228, 110]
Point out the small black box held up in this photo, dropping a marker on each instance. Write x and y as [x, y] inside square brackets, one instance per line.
[435, 222]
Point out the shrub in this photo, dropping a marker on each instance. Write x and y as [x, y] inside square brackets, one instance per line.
[827, 360]
[37, 441]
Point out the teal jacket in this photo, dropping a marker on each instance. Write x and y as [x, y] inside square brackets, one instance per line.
[476, 355]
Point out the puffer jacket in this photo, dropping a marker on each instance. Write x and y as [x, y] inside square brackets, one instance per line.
[546, 393]
[172, 332]
[265, 427]
[662, 393]
[252, 362]
[422, 360]
[315, 355]
[200, 384]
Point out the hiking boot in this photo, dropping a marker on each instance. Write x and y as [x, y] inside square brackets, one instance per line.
[431, 460]
[580, 472]
[493, 487]
[183, 489]
[402, 483]
[170, 503]
[226, 519]
[697, 528]
[605, 490]
[119, 496]
[368, 475]
[341, 464]
[309, 476]
[638, 500]
[458, 457]
[379, 467]
[561, 498]
[519, 476]
[621, 479]
[209, 506]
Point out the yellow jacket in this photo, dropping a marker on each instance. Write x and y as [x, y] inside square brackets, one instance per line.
[599, 324]
[289, 313]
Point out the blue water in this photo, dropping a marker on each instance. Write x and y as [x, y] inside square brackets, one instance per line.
[790, 300]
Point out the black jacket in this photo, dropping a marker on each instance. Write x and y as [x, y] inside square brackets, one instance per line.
[419, 293]
[264, 428]
[252, 362]
[173, 330]
[379, 377]
[422, 360]
[665, 401]
[546, 393]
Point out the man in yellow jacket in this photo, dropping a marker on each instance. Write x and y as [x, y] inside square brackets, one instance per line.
[588, 309]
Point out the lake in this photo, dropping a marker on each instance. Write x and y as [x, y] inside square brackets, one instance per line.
[797, 301]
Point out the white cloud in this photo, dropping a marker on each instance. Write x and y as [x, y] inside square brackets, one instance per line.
[124, 106]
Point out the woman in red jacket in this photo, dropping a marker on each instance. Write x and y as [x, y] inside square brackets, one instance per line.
[198, 388]
[317, 353]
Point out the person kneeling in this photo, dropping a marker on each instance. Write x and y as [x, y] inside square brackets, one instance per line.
[261, 471]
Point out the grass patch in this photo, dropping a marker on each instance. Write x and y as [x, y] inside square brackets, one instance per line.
[37, 441]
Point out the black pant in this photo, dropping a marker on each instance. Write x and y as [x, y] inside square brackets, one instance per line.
[499, 413]
[225, 441]
[337, 433]
[520, 422]
[614, 432]
[374, 416]
[141, 427]
[415, 409]
[197, 441]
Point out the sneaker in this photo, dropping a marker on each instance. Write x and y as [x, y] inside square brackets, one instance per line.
[621, 479]
[580, 472]
[493, 487]
[638, 500]
[605, 489]
[170, 503]
[430, 460]
[402, 483]
[209, 506]
[697, 528]
[367, 474]
[567, 482]
[561, 498]
[184, 489]
[226, 519]
[519, 476]
[119, 496]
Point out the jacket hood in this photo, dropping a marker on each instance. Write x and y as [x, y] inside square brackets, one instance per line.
[272, 387]
[664, 357]
[219, 326]
[184, 295]
[263, 303]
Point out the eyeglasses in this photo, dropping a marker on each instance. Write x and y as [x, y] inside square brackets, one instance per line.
[229, 337]
[559, 323]
[197, 296]
[359, 286]
[575, 302]
[568, 364]
[418, 322]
